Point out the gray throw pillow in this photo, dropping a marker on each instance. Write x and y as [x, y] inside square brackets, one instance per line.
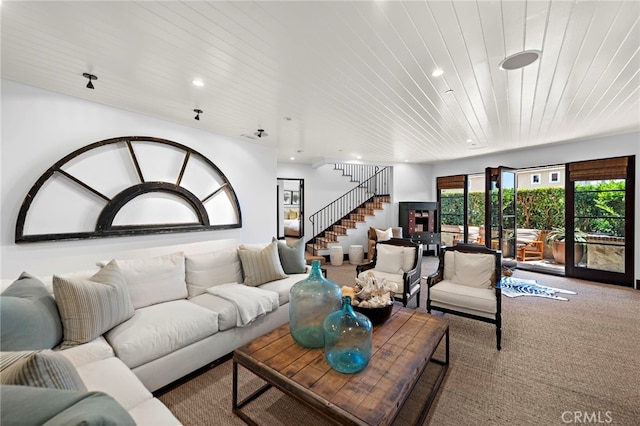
[23, 405]
[29, 316]
[292, 257]
[45, 369]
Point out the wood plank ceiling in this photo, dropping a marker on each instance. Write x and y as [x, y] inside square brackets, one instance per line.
[354, 79]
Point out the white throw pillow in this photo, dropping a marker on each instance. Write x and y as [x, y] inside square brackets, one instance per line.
[449, 265]
[204, 270]
[385, 235]
[473, 269]
[154, 280]
[261, 266]
[389, 259]
[408, 258]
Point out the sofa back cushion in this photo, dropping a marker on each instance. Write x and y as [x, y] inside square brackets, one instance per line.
[204, 270]
[89, 308]
[474, 269]
[29, 317]
[155, 280]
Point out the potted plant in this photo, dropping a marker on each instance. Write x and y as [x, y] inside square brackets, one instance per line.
[556, 238]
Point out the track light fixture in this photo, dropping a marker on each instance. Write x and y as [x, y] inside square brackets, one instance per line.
[198, 112]
[261, 133]
[90, 77]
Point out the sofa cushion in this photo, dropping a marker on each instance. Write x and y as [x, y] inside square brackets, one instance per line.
[227, 314]
[283, 287]
[475, 270]
[473, 300]
[389, 259]
[204, 270]
[156, 330]
[92, 351]
[91, 307]
[23, 405]
[292, 257]
[29, 316]
[155, 279]
[45, 369]
[112, 376]
[153, 412]
[261, 266]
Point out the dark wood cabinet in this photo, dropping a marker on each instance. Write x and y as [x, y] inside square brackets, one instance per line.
[420, 222]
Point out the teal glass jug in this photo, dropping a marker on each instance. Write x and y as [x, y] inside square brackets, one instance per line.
[347, 339]
[310, 301]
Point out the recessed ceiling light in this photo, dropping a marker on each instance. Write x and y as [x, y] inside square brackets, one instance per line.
[519, 60]
[198, 82]
[449, 91]
[292, 158]
[469, 141]
[437, 72]
[287, 118]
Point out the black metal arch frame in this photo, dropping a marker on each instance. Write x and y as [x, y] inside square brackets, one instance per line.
[104, 224]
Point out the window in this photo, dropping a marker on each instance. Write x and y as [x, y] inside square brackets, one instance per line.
[535, 178]
[554, 177]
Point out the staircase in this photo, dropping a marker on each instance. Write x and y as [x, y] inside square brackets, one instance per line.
[335, 219]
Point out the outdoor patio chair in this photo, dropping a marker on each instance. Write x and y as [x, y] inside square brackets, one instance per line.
[529, 245]
[467, 283]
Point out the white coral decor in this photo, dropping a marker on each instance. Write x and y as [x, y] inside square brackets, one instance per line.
[372, 292]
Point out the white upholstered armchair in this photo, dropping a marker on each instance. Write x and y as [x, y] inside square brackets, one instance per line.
[467, 283]
[400, 261]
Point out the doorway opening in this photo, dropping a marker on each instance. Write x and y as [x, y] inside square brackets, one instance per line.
[290, 202]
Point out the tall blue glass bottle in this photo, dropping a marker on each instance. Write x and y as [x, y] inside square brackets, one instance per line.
[347, 339]
[310, 301]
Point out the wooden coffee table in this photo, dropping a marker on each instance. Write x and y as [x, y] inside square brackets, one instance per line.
[402, 348]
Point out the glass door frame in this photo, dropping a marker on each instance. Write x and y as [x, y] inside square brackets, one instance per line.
[506, 242]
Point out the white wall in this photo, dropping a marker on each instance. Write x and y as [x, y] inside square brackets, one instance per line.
[40, 127]
[605, 147]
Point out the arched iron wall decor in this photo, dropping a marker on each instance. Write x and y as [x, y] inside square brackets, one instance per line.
[99, 194]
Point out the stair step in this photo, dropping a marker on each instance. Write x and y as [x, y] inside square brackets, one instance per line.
[348, 223]
[340, 229]
[357, 217]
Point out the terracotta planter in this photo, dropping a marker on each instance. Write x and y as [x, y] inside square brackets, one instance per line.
[558, 252]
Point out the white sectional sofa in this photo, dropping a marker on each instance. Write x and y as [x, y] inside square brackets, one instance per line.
[187, 310]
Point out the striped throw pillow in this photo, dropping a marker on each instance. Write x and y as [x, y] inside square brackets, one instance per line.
[261, 266]
[89, 308]
[45, 369]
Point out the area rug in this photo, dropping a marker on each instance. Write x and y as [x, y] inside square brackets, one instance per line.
[515, 287]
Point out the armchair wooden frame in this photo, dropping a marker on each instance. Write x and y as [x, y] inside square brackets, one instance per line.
[411, 280]
[438, 276]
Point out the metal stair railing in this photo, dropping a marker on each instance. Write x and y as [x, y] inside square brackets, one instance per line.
[325, 218]
[357, 172]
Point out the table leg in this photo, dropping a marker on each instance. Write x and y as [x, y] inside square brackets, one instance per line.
[237, 406]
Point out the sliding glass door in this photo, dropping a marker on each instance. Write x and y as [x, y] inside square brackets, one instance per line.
[599, 220]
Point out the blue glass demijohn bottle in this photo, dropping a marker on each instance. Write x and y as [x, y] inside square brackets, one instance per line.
[310, 301]
[347, 339]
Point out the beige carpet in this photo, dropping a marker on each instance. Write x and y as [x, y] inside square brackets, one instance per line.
[560, 362]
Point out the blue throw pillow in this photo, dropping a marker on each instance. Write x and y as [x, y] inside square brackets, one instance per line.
[24, 405]
[29, 316]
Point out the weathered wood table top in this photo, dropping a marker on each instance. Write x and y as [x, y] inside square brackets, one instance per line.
[402, 348]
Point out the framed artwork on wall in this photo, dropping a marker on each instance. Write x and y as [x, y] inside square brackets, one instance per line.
[287, 196]
[295, 197]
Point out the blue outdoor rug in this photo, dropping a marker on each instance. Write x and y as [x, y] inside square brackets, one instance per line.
[515, 287]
